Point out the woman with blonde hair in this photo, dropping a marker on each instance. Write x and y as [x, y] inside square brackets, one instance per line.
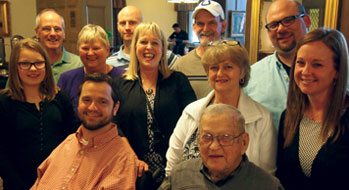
[228, 68]
[313, 145]
[94, 47]
[35, 116]
[152, 97]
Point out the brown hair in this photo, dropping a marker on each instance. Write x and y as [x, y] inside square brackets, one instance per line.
[297, 101]
[222, 52]
[15, 88]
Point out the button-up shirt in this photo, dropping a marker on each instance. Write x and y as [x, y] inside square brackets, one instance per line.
[102, 162]
[67, 62]
[269, 86]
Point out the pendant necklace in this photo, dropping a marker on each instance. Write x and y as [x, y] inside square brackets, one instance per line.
[149, 91]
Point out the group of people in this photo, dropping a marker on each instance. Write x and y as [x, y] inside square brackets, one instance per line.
[144, 118]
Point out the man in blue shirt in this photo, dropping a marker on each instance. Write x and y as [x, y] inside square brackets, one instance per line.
[287, 23]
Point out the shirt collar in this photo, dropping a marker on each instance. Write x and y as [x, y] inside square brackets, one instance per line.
[63, 57]
[205, 172]
[122, 55]
[99, 139]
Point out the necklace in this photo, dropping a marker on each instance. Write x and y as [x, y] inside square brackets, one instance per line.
[149, 91]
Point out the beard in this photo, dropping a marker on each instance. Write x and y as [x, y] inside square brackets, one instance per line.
[205, 41]
[97, 125]
[289, 47]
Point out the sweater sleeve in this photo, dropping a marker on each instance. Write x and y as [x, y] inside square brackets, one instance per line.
[269, 145]
[8, 172]
[177, 142]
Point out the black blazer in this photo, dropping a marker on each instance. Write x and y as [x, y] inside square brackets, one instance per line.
[330, 169]
[172, 96]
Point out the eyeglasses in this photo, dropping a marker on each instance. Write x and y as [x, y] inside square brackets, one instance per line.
[27, 65]
[287, 21]
[224, 42]
[223, 140]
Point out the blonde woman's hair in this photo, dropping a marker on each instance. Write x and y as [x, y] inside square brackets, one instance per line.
[15, 90]
[92, 32]
[143, 28]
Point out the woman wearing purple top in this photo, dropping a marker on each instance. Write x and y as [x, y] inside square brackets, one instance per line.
[94, 49]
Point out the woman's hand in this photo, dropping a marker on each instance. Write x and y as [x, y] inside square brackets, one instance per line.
[141, 166]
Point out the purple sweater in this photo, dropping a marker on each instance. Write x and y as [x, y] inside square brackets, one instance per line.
[70, 81]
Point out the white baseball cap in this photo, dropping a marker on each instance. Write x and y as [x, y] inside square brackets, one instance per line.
[211, 6]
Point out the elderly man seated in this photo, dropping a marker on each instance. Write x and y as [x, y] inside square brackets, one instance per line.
[223, 165]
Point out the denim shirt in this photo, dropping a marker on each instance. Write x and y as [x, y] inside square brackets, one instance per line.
[269, 86]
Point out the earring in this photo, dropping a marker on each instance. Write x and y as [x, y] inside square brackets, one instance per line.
[334, 81]
[241, 81]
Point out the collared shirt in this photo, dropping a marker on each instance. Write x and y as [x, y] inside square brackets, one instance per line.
[191, 174]
[120, 59]
[106, 162]
[67, 62]
[269, 86]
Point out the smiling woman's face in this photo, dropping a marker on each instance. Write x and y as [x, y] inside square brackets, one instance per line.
[94, 55]
[32, 76]
[149, 50]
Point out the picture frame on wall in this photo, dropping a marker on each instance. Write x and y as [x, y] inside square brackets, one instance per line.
[4, 19]
[237, 24]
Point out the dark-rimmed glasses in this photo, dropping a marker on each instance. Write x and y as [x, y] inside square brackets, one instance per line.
[27, 65]
[224, 42]
[223, 140]
[287, 21]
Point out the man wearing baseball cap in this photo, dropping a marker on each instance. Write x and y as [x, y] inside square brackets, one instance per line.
[209, 25]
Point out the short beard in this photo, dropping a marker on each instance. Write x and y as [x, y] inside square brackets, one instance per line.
[289, 48]
[96, 126]
[205, 41]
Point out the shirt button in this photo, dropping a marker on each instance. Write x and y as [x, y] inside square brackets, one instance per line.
[82, 152]
[63, 187]
[73, 170]
[95, 146]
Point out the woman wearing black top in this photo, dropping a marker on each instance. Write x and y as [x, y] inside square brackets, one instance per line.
[35, 116]
[152, 98]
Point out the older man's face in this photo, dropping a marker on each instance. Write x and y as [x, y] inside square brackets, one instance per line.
[207, 27]
[217, 158]
[50, 32]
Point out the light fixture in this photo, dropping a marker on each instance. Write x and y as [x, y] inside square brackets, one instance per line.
[183, 1]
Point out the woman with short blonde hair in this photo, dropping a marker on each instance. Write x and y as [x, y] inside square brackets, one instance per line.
[94, 47]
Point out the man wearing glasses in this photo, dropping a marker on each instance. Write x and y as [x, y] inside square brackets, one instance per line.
[49, 29]
[222, 142]
[287, 22]
[209, 25]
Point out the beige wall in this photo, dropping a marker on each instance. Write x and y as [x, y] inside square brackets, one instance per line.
[22, 21]
[159, 11]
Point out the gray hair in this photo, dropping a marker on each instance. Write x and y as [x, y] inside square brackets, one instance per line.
[37, 18]
[219, 109]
